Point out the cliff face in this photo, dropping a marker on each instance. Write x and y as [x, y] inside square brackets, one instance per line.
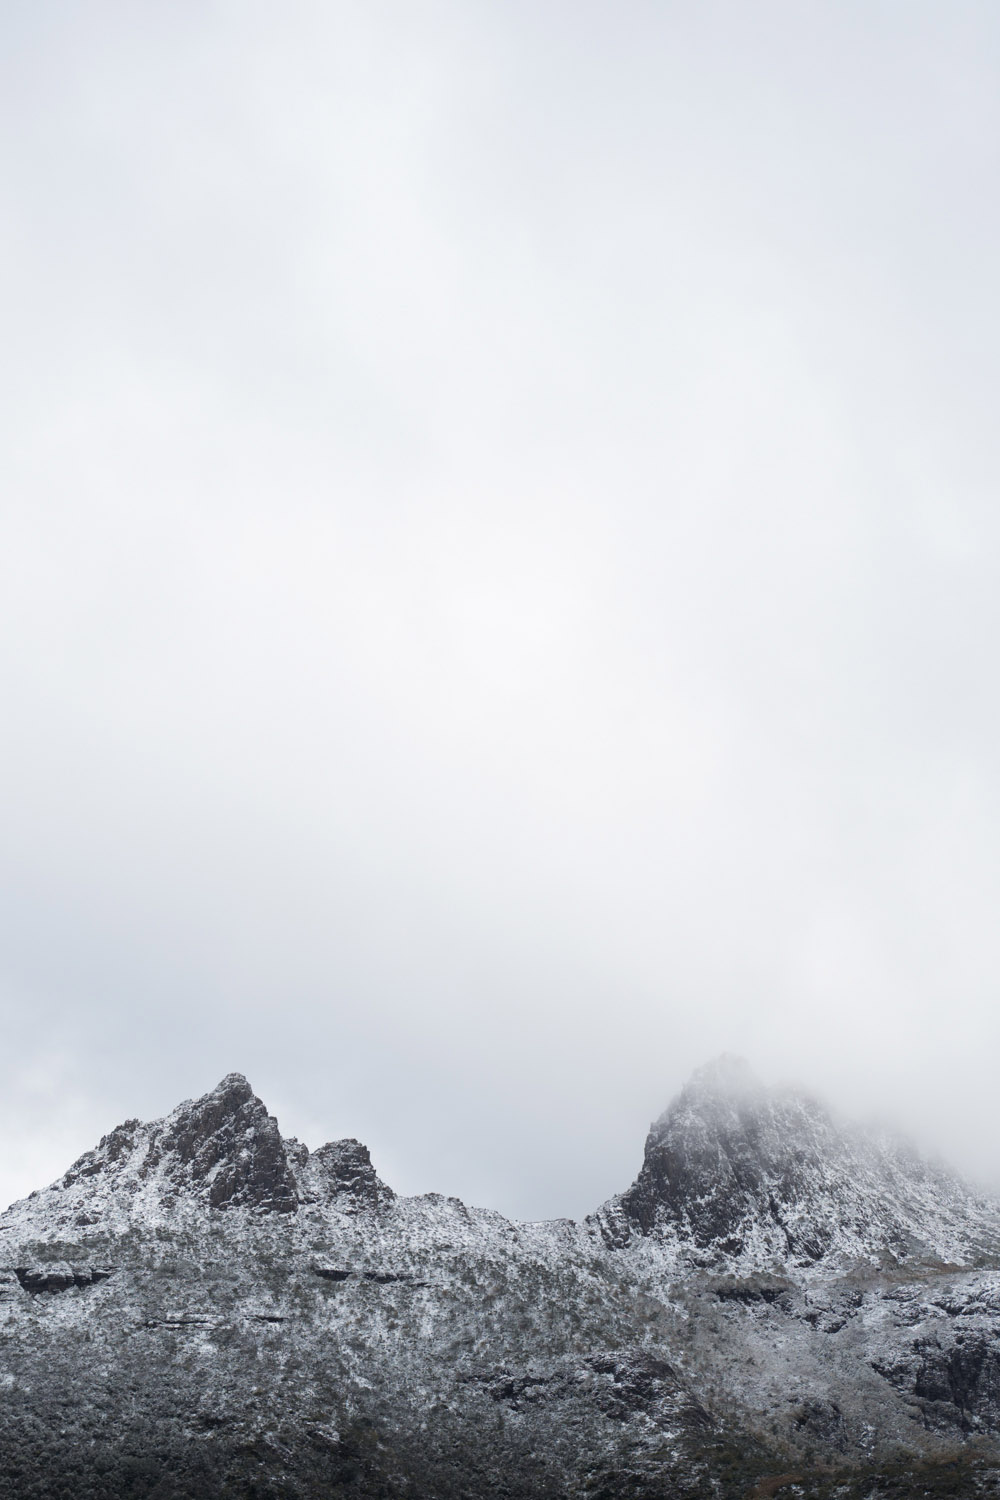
[223, 1151]
[201, 1307]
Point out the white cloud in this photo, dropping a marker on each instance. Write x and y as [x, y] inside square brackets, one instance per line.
[498, 578]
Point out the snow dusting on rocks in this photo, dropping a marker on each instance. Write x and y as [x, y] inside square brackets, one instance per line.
[778, 1304]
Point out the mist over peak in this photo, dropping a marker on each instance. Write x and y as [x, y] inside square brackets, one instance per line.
[764, 1176]
[725, 1076]
[734, 1173]
[474, 490]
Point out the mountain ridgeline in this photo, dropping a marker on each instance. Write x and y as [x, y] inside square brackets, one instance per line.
[222, 1151]
[778, 1304]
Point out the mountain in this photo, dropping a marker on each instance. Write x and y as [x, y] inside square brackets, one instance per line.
[759, 1177]
[779, 1304]
[223, 1151]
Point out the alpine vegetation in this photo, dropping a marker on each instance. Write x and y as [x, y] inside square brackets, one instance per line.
[778, 1305]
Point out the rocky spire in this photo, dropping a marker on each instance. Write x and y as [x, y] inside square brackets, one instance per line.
[227, 1148]
[223, 1150]
[341, 1174]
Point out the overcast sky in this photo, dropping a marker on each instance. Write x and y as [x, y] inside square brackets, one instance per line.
[499, 573]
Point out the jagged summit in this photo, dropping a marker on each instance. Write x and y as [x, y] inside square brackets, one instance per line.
[735, 1176]
[220, 1151]
[234, 1087]
[223, 1151]
[738, 1173]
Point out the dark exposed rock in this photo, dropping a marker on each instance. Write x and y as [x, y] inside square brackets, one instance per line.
[823, 1422]
[112, 1149]
[193, 1322]
[58, 1276]
[223, 1149]
[380, 1278]
[227, 1147]
[637, 1382]
[386, 1278]
[749, 1289]
[342, 1170]
[953, 1374]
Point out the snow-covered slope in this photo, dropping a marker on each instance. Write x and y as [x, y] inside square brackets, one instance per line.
[201, 1307]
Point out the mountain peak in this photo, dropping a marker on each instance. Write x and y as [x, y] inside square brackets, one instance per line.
[234, 1085]
[222, 1150]
[228, 1148]
[735, 1175]
[219, 1151]
[738, 1174]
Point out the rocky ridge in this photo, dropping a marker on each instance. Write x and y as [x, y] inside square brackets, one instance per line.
[778, 1304]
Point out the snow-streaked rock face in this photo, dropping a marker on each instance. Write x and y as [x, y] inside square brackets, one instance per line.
[201, 1307]
[223, 1150]
[738, 1174]
[340, 1170]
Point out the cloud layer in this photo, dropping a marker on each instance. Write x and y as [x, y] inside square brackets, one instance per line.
[499, 577]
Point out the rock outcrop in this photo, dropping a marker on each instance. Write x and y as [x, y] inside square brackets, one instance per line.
[341, 1171]
[57, 1276]
[223, 1150]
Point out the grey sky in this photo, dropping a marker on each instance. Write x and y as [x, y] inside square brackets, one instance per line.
[499, 571]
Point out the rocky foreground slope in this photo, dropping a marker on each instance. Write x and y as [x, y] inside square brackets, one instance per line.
[777, 1306]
